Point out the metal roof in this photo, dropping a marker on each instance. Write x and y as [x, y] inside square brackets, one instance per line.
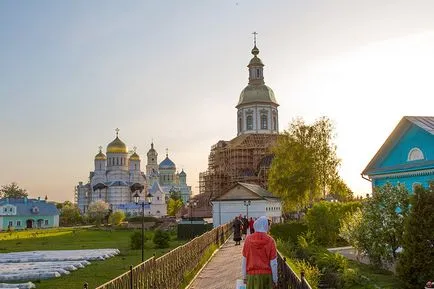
[424, 122]
[25, 207]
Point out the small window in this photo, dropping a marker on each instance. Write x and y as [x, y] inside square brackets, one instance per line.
[264, 122]
[46, 222]
[11, 223]
[258, 73]
[274, 123]
[249, 122]
[240, 124]
[415, 154]
[158, 198]
[18, 223]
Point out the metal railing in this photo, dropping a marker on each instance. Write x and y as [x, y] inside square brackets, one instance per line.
[288, 279]
[168, 270]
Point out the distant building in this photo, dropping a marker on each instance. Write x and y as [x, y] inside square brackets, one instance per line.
[247, 157]
[247, 200]
[27, 213]
[407, 155]
[118, 176]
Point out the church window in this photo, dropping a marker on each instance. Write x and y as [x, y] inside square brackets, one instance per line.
[415, 154]
[240, 124]
[46, 222]
[257, 73]
[135, 166]
[18, 223]
[264, 122]
[249, 122]
[274, 123]
[11, 223]
[158, 198]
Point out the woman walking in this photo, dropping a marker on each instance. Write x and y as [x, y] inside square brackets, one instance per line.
[237, 226]
[259, 262]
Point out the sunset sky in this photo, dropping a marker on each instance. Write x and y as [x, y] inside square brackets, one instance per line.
[172, 71]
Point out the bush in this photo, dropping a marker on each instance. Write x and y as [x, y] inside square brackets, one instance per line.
[288, 232]
[311, 272]
[138, 219]
[116, 218]
[161, 239]
[324, 220]
[136, 240]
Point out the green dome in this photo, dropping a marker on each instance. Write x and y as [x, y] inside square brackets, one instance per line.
[254, 93]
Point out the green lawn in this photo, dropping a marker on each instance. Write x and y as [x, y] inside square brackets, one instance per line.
[95, 274]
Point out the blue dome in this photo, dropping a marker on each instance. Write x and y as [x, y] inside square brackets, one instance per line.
[167, 164]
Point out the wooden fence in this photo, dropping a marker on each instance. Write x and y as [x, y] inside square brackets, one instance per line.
[288, 279]
[168, 270]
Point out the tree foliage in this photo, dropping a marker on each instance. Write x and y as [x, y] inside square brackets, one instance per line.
[12, 191]
[305, 163]
[381, 231]
[70, 215]
[416, 262]
[161, 239]
[117, 217]
[173, 206]
[97, 211]
[340, 191]
[324, 220]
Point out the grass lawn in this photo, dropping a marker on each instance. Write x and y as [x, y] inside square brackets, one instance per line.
[95, 274]
[382, 278]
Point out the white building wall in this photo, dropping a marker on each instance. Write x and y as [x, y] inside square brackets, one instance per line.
[56, 221]
[226, 211]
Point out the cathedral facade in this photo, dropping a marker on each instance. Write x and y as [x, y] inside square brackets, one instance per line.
[118, 176]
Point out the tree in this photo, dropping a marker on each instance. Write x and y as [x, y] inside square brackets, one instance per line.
[97, 211]
[70, 215]
[173, 206]
[161, 239]
[350, 230]
[415, 266]
[340, 191]
[382, 228]
[12, 191]
[305, 163]
[117, 217]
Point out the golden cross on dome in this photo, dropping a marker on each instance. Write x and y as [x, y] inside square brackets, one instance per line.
[167, 152]
[134, 148]
[100, 148]
[254, 37]
[117, 132]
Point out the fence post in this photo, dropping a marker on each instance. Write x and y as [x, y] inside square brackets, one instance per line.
[85, 285]
[303, 281]
[131, 277]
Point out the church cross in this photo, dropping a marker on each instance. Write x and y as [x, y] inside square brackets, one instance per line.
[117, 132]
[254, 37]
[100, 148]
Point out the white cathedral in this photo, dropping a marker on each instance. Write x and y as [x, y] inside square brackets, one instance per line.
[118, 177]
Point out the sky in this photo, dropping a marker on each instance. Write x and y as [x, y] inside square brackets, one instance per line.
[171, 72]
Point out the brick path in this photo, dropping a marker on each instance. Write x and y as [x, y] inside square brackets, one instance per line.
[223, 270]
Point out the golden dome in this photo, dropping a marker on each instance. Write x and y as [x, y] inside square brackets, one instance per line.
[117, 146]
[100, 156]
[134, 157]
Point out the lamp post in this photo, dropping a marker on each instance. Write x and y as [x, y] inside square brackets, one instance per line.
[247, 204]
[192, 204]
[136, 200]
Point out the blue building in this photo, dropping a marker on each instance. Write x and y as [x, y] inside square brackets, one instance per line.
[27, 213]
[407, 155]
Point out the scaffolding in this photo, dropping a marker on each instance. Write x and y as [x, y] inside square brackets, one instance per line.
[246, 158]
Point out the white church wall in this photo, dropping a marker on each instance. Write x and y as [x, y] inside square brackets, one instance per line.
[226, 211]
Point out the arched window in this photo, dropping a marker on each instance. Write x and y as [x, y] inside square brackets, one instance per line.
[415, 154]
[249, 122]
[257, 73]
[240, 124]
[415, 185]
[274, 123]
[264, 121]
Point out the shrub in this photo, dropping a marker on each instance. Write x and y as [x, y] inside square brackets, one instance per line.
[324, 220]
[136, 240]
[138, 219]
[117, 217]
[161, 239]
[288, 231]
[311, 272]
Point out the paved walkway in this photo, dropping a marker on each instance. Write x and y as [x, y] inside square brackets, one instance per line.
[223, 270]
